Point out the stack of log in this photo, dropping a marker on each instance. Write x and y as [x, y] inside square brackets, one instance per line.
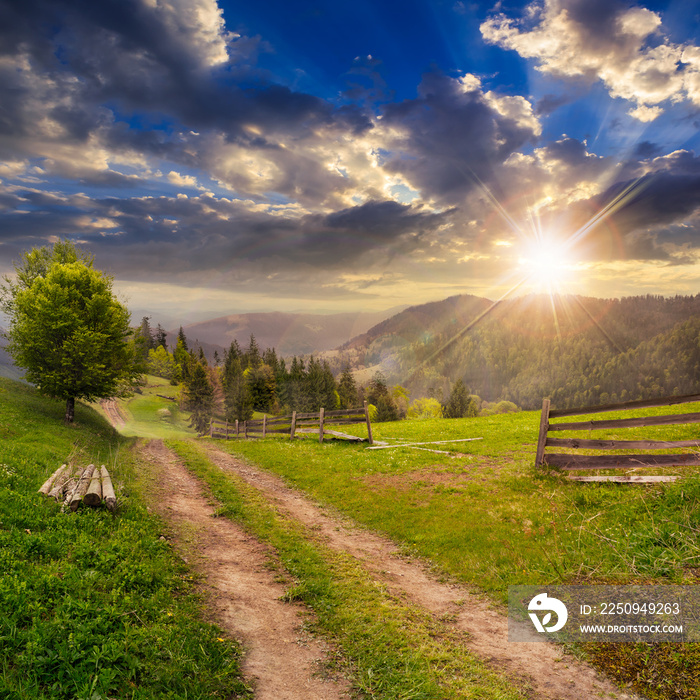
[90, 486]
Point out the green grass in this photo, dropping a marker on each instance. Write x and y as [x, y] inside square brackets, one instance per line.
[94, 605]
[149, 415]
[484, 515]
[396, 650]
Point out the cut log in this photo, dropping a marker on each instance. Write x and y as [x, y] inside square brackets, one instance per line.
[93, 495]
[625, 479]
[81, 488]
[71, 487]
[108, 489]
[48, 484]
[61, 485]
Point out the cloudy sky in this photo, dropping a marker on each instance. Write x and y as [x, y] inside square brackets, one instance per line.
[323, 155]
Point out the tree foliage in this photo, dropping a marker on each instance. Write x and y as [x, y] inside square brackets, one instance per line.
[199, 398]
[68, 331]
[460, 404]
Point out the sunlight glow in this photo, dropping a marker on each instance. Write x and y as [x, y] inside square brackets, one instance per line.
[547, 267]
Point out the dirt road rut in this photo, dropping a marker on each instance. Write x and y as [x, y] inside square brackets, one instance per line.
[281, 661]
[543, 667]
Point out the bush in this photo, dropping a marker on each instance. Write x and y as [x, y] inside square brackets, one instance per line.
[423, 409]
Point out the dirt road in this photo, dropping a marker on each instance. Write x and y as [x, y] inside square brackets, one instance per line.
[282, 662]
[550, 673]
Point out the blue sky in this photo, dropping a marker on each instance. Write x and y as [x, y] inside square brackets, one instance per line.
[326, 156]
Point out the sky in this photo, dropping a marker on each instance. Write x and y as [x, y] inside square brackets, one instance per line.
[326, 156]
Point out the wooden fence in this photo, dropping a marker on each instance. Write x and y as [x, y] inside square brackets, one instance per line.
[645, 458]
[296, 424]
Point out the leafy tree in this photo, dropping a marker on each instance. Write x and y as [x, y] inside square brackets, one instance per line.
[386, 409]
[425, 408]
[199, 398]
[460, 404]
[69, 332]
[161, 363]
[36, 263]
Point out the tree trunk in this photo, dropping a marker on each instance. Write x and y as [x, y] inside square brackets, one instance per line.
[70, 409]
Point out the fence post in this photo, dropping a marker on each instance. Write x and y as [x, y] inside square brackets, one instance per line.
[236, 427]
[542, 438]
[369, 424]
[264, 424]
[320, 425]
[227, 428]
[211, 427]
[245, 429]
[294, 424]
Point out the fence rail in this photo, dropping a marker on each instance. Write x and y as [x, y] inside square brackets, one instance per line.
[645, 458]
[296, 423]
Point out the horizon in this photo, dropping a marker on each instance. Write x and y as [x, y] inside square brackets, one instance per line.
[220, 158]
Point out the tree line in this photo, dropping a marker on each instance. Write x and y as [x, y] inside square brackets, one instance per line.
[578, 352]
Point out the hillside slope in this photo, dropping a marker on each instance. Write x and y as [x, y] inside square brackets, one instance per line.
[289, 334]
[577, 350]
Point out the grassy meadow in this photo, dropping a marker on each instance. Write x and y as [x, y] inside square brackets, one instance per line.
[100, 606]
[148, 414]
[94, 605]
[482, 515]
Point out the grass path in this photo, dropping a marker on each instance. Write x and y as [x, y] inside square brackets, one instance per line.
[529, 670]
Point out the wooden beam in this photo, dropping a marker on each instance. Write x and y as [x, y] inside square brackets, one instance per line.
[343, 435]
[576, 443]
[320, 425]
[630, 405]
[565, 461]
[544, 427]
[48, 484]
[412, 444]
[81, 488]
[294, 424]
[93, 495]
[369, 423]
[677, 419]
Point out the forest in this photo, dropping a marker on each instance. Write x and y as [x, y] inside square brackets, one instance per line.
[577, 351]
[458, 357]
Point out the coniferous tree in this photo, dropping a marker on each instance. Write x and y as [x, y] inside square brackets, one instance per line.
[261, 386]
[252, 354]
[460, 404]
[347, 389]
[160, 337]
[199, 398]
[182, 338]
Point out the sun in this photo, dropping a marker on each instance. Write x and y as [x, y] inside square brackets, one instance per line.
[547, 267]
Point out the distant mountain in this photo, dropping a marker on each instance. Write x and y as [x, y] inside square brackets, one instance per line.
[422, 321]
[7, 367]
[576, 350]
[289, 334]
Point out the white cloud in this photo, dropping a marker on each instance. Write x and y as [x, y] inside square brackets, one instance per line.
[629, 53]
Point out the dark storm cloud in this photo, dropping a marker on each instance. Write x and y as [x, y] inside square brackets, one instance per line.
[85, 55]
[452, 137]
[144, 236]
[654, 216]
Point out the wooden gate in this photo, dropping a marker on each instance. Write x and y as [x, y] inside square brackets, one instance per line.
[644, 455]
